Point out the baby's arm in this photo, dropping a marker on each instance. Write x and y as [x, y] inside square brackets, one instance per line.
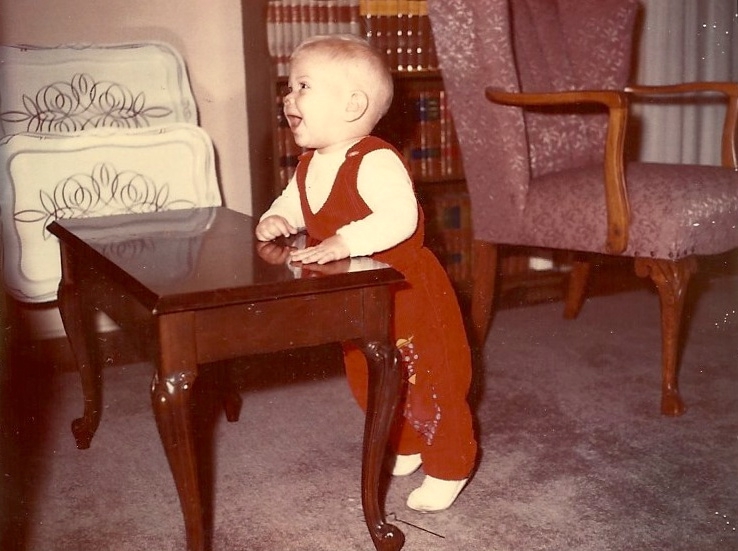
[284, 217]
[386, 187]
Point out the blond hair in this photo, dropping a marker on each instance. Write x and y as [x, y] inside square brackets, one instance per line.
[365, 67]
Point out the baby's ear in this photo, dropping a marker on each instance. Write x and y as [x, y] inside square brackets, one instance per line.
[357, 105]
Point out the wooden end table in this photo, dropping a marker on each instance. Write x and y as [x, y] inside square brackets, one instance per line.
[195, 287]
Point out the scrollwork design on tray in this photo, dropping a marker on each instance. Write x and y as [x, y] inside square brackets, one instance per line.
[84, 103]
[104, 191]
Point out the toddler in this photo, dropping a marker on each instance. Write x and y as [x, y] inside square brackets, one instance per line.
[353, 194]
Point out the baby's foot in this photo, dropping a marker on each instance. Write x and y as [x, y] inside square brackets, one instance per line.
[406, 464]
[435, 494]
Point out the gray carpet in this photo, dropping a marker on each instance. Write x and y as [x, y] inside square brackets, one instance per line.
[575, 453]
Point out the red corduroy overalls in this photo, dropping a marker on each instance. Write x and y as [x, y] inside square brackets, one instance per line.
[428, 328]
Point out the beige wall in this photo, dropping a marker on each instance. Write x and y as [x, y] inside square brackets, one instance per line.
[208, 34]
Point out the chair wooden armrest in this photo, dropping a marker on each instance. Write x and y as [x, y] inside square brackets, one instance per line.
[616, 197]
[729, 151]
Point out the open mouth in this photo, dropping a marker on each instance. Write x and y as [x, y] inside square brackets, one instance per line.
[293, 121]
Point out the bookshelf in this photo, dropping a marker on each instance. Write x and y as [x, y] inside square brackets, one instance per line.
[419, 125]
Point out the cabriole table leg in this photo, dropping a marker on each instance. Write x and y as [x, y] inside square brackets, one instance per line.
[171, 397]
[385, 383]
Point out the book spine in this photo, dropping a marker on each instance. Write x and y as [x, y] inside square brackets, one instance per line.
[425, 49]
[279, 55]
[433, 138]
[355, 26]
[295, 26]
[323, 17]
[380, 25]
[392, 28]
[448, 231]
[425, 145]
[288, 152]
[333, 23]
[445, 136]
[430, 44]
[304, 20]
[281, 144]
[403, 14]
[413, 33]
[313, 17]
[457, 162]
[451, 165]
[271, 28]
[415, 145]
[343, 11]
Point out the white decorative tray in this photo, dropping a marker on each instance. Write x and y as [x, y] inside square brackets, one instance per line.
[94, 173]
[72, 88]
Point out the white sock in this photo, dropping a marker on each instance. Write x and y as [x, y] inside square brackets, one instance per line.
[435, 494]
[406, 464]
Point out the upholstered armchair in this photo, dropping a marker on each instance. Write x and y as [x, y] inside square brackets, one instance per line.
[539, 93]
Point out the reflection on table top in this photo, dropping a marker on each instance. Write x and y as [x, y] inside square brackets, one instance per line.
[196, 258]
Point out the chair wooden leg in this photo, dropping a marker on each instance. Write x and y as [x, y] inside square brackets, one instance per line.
[671, 279]
[484, 276]
[577, 285]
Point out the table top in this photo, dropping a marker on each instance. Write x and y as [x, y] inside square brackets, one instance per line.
[199, 258]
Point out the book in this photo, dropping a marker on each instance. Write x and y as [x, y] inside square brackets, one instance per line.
[451, 163]
[289, 22]
[448, 230]
[401, 30]
[288, 152]
[424, 150]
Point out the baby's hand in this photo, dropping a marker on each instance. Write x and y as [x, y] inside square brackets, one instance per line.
[272, 227]
[333, 248]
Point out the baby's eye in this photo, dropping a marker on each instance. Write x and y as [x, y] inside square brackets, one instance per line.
[300, 86]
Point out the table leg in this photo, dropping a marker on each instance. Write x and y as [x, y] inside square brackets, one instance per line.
[171, 396]
[385, 383]
[79, 324]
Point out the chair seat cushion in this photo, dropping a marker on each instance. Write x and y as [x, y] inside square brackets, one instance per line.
[676, 210]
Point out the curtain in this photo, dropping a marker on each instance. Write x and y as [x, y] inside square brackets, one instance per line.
[681, 41]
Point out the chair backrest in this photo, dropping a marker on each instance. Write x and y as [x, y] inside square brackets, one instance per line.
[92, 173]
[73, 88]
[570, 45]
[528, 45]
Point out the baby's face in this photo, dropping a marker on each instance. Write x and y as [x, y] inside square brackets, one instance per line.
[316, 102]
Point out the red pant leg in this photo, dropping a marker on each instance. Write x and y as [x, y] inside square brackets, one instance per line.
[437, 355]
[434, 418]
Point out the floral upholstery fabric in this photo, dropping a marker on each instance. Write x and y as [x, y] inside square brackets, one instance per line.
[473, 44]
[554, 50]
[676, 210]
[536, 178]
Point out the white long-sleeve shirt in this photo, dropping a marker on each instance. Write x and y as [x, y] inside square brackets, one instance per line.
[383, 183]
